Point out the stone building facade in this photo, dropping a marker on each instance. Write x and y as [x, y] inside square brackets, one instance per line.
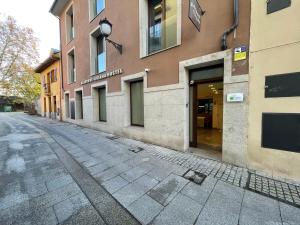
[165, 62]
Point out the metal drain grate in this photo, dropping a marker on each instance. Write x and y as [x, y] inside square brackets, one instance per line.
[195, 176]
[112, 137]
[136, 149]
[281, 191]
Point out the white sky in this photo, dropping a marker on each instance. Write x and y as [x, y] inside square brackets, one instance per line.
[35, 14]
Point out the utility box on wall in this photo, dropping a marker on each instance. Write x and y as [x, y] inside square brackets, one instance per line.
[281, 131]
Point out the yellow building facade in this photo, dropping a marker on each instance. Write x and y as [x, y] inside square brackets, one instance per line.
[50, 86]
[274, 98]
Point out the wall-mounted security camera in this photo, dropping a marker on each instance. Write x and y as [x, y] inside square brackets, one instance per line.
[147, 70]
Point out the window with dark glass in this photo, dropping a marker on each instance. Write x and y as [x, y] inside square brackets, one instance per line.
[162, 32]
[102, 104]
[137, 103]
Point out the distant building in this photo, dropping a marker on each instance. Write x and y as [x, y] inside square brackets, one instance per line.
[50, 85]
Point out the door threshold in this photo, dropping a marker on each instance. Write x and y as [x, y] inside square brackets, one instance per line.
[207, 153]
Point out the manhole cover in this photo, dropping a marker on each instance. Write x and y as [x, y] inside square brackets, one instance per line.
[195, 176]
[136, 150]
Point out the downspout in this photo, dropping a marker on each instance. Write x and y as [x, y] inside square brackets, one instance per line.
[233, 27]
[61, 72]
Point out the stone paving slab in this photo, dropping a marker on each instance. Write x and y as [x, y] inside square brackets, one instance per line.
[213, 202]
[59, 182]
[182, 210]
[200, 193]
[85, 216]
[289, 214]
[137, 172]
[257, 209]
[70, 206]
[51, 198]
[145, 209]
[223, 206]
[166, 190]
[115, 184]
[135, 190]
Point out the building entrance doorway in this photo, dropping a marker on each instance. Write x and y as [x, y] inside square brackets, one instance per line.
[54, 107]
[206, 111]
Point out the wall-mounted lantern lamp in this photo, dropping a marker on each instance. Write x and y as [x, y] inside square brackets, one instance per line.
[106, 30]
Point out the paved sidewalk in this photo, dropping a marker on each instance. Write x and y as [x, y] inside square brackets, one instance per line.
[150, 183]
[41, 184]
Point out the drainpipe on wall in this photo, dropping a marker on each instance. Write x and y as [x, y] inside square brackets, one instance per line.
[233, 27]
[61, 72]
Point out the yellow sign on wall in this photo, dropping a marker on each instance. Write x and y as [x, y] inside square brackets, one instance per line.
[240, 53]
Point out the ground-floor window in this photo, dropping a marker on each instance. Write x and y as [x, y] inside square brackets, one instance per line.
[102, 104]
[137, 103]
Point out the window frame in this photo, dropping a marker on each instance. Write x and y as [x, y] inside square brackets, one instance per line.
[151, 19]
[94, 52]
[68, 27]
[93, 11]
[68, 65]
[144, 26]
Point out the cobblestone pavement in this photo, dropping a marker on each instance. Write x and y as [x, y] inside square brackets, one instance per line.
[284, 190]
[148, 180]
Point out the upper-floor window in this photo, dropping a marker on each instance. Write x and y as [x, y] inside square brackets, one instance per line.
[162, 28]
[53, 75]
[70, 24]
[98, 54]
[71, 67]
[160, 25]
[96, 6]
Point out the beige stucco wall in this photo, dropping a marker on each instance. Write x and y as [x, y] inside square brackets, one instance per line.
[55, 91]
[274, 49]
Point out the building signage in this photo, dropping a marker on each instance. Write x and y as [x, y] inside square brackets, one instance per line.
[235, 97]
[195, 13]
[240, 53]
[102, 76]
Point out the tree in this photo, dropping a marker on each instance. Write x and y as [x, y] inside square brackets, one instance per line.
[18, 55]
[27, 86]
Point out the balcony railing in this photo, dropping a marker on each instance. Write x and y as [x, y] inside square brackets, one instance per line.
[47, 89]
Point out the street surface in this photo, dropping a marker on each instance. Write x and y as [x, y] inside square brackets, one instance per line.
[58, 173]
